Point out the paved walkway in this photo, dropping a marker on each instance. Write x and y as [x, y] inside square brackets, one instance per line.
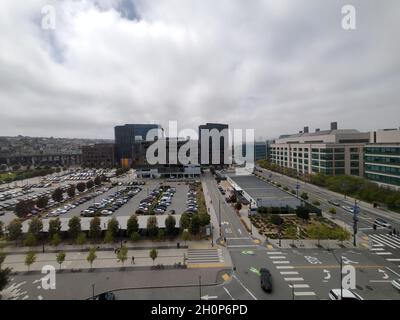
[105, 259]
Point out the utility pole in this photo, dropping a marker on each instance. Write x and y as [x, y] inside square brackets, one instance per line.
[355, 220]
[219, 214]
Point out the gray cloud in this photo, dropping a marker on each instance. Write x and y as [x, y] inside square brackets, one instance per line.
[270, 65]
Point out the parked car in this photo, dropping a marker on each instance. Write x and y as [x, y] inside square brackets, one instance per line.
[265, 280]
[336, 294]
[334, 202]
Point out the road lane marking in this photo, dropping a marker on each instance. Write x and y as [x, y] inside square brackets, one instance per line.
[377, 249]
[280, 262]
[275, 252]
[242, 246]
[380, 281]
[248, 291]
[299, 286]
[393, 260]
[384, 253]
[294, 279]
[288, 273]
[238, 238]
[228, 293]
[383, 241]
[278, 257]
[393, 271]
[284, 267]
[310, 293]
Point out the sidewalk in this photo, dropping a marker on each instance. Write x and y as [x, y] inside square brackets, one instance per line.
[105, 259]
[310, 244]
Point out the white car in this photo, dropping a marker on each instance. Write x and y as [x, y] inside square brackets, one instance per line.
[106, 212]
[348, 209]
[335, 294]
[396, 284]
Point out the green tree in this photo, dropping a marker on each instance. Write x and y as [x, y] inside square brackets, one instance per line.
[153, 254]
[185, 221]
[35, 226]
[55, 240]
[132, 225]
[42, 202]
[152, 226]
[113, 226]
[71, 191]
[160, 235]
[81, 186]
[4, 278]
[60, 258]
[302, 213]
[90, 184]
[30, 259]
[135, 236]
[185, 235]
[170, 224]
[57, 195]
[332, 211]
[1, 229]
[23, 207]
[195, 224]
[81, 239]
[276, 219]
[54, 227]
[204, 219]
[95, 228]
[238, 206]
[14, 230]
[108, 237]
[122, 255]
[304, 196]
[30, 240]
[74, 225]
[97, 181]
[91, 256]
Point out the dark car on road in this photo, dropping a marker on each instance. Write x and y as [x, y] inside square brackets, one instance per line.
[106, 296]
[265, 280]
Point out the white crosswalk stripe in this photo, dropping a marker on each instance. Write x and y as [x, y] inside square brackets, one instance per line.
[205, 256]
[303, 293]
[383, 239]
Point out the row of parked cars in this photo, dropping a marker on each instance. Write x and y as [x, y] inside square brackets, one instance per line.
[191, 202]
[63, 210]
[162, 204]
[112, 203]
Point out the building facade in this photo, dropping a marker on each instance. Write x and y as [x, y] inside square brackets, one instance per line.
[127, 135]
[332, 152]
[98, 155]
[382, 158]
[214, 155]
[260, 150]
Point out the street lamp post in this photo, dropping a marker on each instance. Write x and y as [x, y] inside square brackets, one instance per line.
[219, 214]
[92, 291]
[355, 220]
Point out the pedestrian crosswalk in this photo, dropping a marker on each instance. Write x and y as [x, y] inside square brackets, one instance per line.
[290, 275]
[205, 256]
[385, 245]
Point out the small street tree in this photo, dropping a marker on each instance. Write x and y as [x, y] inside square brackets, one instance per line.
[35, 226]
[81, 239]
[91, 256]
[42, 202]
[14, 230]
[30, 240]
[30, 259]
[304, 196]
[60, 258]
[23, 207]
[185, 221]
[113, 226]
[71, 191]
[153, 254]
[81, 186]
[185, 235]
[95, 228]
[90, 184]
[195, 224]
[170, 223]
[108, 237]
[122, 255]
[54, 227]
[56, 240]
[57, 195]
[74, 225]
[135, 236]
[132, 225]
[152, 227]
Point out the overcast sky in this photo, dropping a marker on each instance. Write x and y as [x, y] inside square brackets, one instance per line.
[271, 65]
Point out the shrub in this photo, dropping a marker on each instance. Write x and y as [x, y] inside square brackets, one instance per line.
[276, 219]
[302, 213]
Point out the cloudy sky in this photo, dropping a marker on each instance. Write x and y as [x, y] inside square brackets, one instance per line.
[271, 65]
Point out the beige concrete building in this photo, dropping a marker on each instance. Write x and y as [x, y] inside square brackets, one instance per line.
[333, 152]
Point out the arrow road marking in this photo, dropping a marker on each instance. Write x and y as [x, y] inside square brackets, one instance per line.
[240, 231]
[207, 297]
[385, 275]
[256, 271]
[328, 274]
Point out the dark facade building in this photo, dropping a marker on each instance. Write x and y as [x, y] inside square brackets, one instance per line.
[98, 155]
[260, 150]
[127, 135]
[223, 149]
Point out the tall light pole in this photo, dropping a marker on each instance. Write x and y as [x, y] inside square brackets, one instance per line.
[219, 214]
[356, 210]
[92, 291]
